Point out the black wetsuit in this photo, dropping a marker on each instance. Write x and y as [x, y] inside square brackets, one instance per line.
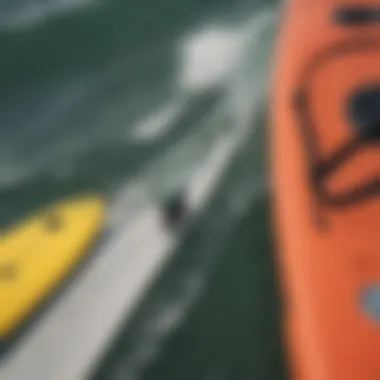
[175, 210]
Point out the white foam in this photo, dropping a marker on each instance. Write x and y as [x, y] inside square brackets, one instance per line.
[209, 57]
[38, 11]
[156, 124]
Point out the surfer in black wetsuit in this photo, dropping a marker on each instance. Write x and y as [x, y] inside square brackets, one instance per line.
[175, 210]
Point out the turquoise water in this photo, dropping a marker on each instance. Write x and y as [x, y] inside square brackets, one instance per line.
[95, 93]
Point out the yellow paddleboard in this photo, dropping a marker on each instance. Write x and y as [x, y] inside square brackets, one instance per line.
[37, 254]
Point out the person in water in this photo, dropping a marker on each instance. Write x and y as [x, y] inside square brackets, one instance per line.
[175, 210]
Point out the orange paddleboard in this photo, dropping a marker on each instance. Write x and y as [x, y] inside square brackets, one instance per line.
[325, 164]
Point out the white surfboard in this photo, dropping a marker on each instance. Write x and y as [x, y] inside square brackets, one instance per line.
[68, 340]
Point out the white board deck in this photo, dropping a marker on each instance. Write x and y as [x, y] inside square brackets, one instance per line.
[71, 337]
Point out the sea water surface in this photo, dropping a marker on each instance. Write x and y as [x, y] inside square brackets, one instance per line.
[97, 93]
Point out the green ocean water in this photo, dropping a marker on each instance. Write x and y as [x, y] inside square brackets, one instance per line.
[77, 75]
[77, 80]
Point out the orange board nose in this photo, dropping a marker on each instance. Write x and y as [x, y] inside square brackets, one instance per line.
[325, 170]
